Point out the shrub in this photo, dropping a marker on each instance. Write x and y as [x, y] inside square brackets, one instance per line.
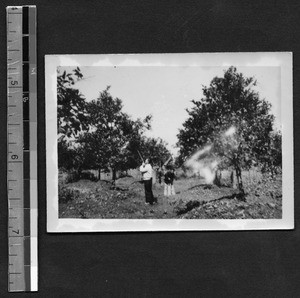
[72, 177]
[88, 176]
[65, 194]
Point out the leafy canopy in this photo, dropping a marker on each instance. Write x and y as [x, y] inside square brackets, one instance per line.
[232, 118]
[114, 138]
[71, 112]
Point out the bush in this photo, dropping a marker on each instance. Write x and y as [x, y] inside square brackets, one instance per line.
[75, 176]
[94, 178]
[88, 176]
[62, 176]
[72, 177]
[124, 174]
[65, 194]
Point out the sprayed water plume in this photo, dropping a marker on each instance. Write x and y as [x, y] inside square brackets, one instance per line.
[230, 131]
[201, 165]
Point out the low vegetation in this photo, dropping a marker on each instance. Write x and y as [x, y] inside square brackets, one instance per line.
[194, 199]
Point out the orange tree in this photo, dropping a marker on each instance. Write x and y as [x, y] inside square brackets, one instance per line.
[71, 118]
[234, 120]
[113, 138]
[71, 111]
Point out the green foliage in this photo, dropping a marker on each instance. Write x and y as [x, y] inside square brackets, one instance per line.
[272, 159]
[88, 176]
[71, 119]
[233, 119]
[99, 134]
[105, 144]
[66, 195]
[71, 157]
[155, 148]
[114, 138]
[71, 112]
[65, 154]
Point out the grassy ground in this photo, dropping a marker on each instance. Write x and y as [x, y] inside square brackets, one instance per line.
[193, 199]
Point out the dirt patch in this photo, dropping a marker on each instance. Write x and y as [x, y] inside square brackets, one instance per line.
[236, 209]
[194, 199]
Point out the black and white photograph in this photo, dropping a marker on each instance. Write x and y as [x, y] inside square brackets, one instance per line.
[150, 148]
[199, 138]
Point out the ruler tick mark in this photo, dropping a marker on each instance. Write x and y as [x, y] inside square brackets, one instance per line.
[21, 37]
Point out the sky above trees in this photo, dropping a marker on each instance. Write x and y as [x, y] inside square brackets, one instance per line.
[166, 91]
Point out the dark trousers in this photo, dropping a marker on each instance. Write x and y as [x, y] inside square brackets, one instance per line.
[148, 191]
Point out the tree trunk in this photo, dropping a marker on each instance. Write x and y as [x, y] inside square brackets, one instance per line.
[114, 174]
[79, 173]
[239, 179]
[232, 180]
[218, 177]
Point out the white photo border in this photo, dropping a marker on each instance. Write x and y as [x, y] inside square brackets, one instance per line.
[279, 59]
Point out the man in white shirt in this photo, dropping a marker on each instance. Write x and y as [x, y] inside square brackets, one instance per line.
[146, 170]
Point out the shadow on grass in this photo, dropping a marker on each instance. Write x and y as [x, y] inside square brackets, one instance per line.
[237, 195]
[195, 203]
[209, 186]
[205, 186]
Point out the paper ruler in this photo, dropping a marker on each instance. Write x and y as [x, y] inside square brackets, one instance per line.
[22, 148]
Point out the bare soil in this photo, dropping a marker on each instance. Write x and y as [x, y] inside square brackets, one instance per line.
[194, 199]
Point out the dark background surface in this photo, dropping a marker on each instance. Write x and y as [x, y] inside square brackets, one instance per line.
[203, 264]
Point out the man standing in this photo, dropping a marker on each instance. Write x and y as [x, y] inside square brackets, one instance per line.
[146, 170]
